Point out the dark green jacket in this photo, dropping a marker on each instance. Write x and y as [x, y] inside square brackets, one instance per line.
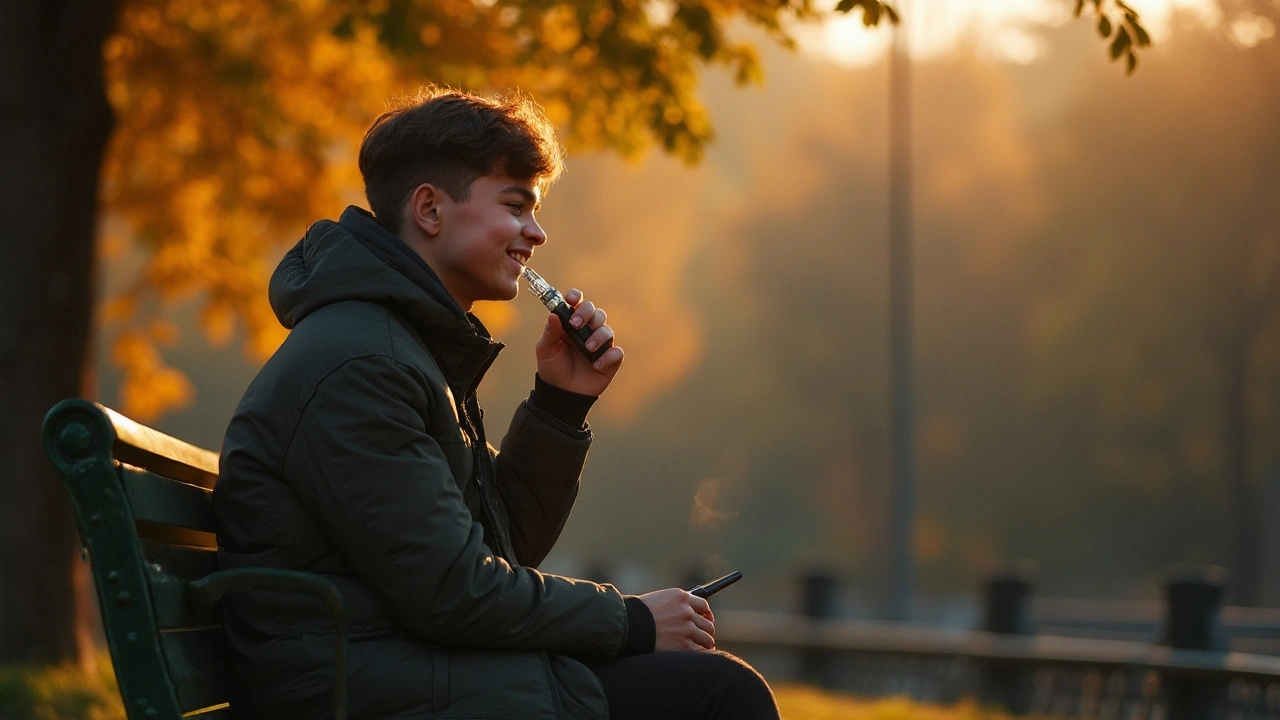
[357, 452]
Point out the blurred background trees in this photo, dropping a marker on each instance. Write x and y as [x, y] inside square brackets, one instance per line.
[231, 125]
[211, 133]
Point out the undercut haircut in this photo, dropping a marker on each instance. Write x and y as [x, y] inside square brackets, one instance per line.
[449, 138]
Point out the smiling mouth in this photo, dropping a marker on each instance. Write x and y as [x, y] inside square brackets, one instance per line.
[519, 258]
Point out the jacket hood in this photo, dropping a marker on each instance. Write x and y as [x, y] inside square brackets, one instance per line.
[358, 259]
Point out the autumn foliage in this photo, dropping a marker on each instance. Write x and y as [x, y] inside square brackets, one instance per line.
[238, 121]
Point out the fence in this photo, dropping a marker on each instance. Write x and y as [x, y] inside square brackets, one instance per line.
[1185, 672]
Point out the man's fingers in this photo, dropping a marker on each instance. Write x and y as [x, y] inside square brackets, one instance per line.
[582, 314]
[612, 356]
[699, 605]
[704, 624]
[601, 337]
[704, 640]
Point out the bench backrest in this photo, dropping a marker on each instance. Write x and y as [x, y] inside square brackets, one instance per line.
[143, 505]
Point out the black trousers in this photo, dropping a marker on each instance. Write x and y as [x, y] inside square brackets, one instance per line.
[686, 685]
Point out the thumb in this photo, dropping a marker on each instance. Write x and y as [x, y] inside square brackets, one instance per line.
[552, 335]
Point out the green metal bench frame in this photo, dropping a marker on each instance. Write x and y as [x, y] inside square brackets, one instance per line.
[143, 505]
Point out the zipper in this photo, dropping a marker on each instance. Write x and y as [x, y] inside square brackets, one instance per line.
[480, 458]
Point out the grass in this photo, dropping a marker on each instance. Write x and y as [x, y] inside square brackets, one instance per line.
[68, 693]
[805, 702]
[59, 693]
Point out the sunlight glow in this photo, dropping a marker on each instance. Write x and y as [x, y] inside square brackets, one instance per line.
[1006, 29]
[1250, 30]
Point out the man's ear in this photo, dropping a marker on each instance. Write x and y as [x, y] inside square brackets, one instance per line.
[423, 209]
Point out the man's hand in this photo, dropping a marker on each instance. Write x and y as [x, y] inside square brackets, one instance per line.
[560, 363]
[683, 621]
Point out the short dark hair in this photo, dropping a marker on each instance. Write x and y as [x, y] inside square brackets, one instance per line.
[449, 138]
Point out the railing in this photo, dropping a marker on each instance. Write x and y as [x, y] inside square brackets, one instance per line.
[1244, 629]
[1183, 673]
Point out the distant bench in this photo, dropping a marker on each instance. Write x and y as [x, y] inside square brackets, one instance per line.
[143, 505]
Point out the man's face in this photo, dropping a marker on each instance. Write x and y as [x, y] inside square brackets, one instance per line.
[486, 240]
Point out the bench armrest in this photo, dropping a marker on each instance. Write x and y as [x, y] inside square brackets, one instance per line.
[206, 591]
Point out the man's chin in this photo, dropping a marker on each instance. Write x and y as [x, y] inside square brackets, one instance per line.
[506, 294]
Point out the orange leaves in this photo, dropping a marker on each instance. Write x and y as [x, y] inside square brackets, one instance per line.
[229, 113]
[238, 120]
[149, 388]
[218, 319]
[560, 30]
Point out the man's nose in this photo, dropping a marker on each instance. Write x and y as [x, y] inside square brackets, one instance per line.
[534, 232]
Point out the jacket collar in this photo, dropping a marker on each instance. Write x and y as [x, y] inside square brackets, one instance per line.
[358, 259]
[463, 348]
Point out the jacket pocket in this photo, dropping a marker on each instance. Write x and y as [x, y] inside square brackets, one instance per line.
[579, 691]
[499, 685]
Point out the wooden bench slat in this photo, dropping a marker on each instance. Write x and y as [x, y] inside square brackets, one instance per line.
[153, 450]
[198, 667]
[185, 563]
[165, 501]
[176, 535]
[167, 510]
[216, 713]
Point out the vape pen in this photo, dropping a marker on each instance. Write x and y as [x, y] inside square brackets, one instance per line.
[715, 586]
[556, 304]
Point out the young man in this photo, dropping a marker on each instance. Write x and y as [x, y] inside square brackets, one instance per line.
[358, 453]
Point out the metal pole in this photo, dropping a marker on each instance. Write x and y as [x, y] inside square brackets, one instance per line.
[902, 416]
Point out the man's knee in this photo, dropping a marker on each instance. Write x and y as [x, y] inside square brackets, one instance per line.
[742, 678]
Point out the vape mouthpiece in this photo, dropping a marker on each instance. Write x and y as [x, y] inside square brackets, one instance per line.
[547, 294]
[556, 304]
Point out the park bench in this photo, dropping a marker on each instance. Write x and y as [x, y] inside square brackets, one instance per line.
[143, 506]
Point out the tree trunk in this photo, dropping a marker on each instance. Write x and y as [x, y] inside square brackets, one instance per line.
[54, 124]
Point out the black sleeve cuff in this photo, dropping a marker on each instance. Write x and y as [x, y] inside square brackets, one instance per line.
[642, 632]
[568, 407]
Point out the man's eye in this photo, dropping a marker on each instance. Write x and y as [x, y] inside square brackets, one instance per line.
[517, 207]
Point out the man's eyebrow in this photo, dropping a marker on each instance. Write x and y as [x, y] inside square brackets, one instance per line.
[529, 196]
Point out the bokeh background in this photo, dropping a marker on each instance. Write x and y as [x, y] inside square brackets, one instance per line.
[1097, 274]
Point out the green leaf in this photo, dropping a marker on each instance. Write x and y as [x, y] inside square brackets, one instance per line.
[1120, 44]
[845, 6]
[1104, 26]
[871, 13]
[1133, 63]
[1141, 34]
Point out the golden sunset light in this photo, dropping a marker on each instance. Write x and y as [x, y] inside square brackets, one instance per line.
[938, 385]
[1005, 29]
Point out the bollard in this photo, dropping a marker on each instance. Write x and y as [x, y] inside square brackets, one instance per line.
[1006, 607]
[1193, 621]
[818, 591]
[1006, 610]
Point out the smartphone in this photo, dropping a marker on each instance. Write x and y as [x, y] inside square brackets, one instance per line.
[706, 590]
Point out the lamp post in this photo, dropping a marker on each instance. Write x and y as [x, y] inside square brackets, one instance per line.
[902, 415]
